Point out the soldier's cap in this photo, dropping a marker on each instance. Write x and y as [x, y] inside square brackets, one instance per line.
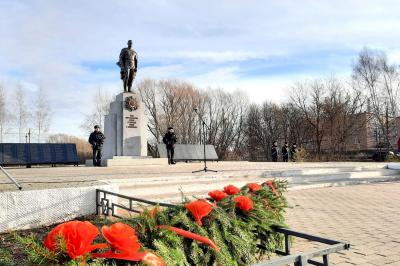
[129, 41]
[170, 128]
[96, 126]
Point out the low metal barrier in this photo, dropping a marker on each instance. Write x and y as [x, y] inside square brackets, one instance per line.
[105, 207]
[305, 258]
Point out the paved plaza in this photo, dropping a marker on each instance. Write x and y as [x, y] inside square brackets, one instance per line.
[367, 216]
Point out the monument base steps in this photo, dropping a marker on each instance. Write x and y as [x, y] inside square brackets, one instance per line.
[127, 161]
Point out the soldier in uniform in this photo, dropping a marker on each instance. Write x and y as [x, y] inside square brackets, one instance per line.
[285, 152]
[293, 151]
[128, 64]
[96, 139]
[274, 152]
[170, 140]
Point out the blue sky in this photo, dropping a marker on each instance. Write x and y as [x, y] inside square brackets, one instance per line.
[69, 48]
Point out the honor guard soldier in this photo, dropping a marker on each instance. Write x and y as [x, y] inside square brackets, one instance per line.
[96, 139]
[293, 151]
[285, 152]
[170, 140]
[274, 152]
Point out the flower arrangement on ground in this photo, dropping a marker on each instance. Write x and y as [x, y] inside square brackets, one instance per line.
[232, 227]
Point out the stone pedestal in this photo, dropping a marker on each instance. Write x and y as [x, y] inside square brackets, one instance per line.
[125, 127]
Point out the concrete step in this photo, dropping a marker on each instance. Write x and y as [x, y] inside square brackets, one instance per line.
[132, 157]
[174, 197]
[319, 171]
[160, 189]
[171, 188]
[132, 161]
[343, 182]
[182, 178]
[161, 180]
[341, 176]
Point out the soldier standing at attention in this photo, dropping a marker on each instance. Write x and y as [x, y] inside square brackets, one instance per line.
[170, 140]
[293, 151]
[96, 139]
[274, 152]
[128, 63]
[285, 152]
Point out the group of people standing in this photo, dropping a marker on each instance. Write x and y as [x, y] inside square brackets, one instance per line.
[285, 152]
[96, 139]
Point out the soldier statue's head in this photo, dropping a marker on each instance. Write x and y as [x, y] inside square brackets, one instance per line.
[129, 43]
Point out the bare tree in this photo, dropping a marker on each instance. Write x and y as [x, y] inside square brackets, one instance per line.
[148, 92]
[253, 132]
[308, 98]
[171, 103]
[3, 113]
[343, 110]
[42, 113]
[101, 105]
[381, 80]
[295, 130]
[225, 113]
[21, 112]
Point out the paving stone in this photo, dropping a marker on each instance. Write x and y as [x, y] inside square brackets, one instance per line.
[366, 216]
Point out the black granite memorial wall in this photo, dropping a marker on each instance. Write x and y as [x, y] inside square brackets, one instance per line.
[38, 153]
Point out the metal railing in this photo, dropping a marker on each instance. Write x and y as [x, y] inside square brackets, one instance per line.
[11, 178]
[106, 207]
[305, 258]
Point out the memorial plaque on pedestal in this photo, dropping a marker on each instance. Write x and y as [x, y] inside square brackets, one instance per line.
[125, 127]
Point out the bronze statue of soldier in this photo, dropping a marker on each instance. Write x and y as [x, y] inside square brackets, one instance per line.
[128, 63]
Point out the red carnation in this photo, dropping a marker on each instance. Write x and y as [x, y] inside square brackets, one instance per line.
[244, 203]
[199, 209]
[254, 187]
[271, 186]
[123, 242]
[231, 190]
[77, 236]
[217, 195]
